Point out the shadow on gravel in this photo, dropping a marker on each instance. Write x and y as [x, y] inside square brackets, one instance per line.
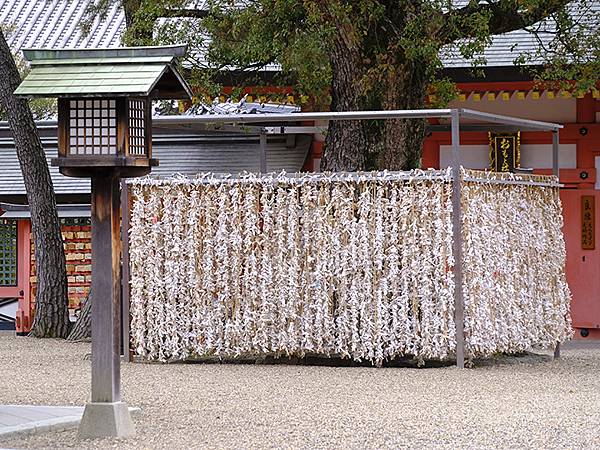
[316, 360]
[519, 358]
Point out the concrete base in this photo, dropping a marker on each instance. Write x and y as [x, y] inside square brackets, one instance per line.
[105, 420]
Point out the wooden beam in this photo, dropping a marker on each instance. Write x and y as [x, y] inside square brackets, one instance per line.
[148, 128]
[64, 110]
[103, 161]
[106, 286]
[496, 86]
[586, 109]
[122, 126]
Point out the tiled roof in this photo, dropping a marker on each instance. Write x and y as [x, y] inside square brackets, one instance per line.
[505, 48]
[184, 152]
[54, 23]
[121, 71]
[241, 107]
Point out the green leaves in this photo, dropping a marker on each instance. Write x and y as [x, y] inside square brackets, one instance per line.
[41, 108]
[296, 37]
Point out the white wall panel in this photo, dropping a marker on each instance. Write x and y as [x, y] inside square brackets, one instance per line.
[537, 156]
[471, 156]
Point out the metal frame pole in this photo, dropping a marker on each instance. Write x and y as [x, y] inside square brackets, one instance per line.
[457, 241]
[555, 152]
[262, 158]
[453, 114]
[125, 211]
[555, 172]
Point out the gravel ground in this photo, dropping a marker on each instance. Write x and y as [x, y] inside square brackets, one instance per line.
[529, 402]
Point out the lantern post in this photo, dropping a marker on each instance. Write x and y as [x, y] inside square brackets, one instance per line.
[105, 134]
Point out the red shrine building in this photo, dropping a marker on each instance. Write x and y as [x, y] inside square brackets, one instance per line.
[579, 164]
[504, 89]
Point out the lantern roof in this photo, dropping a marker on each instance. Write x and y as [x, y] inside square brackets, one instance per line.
[115, 72]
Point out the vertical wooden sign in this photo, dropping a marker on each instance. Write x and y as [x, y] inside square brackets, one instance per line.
[505, 151]
[588, 223]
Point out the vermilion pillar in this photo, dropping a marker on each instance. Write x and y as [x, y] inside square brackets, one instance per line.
[586, 114]
[22, 290]
[24, 310]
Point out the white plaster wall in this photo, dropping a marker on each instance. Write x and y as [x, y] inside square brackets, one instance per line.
[536, 156]
[471, 156]
[539, 156]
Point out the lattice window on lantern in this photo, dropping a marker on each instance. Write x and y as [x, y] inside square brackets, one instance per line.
[8, 253]
[92, 127]
[137, 127]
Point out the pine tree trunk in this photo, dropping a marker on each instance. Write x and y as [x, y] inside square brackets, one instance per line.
[51, 315]
[82, 330]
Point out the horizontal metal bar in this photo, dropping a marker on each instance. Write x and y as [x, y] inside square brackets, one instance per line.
[507, 120]
[294, 130]
[175, 138]
[297, 117]
[204, 126]
[239, 137]
[215, 178]
[475, 127]
[241, 129]
[521, 124]
[518, 182]
[437, 175]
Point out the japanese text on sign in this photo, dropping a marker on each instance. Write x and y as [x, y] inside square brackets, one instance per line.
[588, 225]
[505, 152]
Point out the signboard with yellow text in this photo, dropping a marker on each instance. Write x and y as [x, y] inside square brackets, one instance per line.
[505, 151]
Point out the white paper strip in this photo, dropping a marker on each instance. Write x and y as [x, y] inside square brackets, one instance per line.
[355, 265]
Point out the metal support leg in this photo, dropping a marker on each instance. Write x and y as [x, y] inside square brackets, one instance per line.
[125, 199]
[555, 153]
[457, 242]
[263, 153]
[555, 172]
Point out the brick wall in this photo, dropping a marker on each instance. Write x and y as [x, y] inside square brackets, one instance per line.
[78, 252]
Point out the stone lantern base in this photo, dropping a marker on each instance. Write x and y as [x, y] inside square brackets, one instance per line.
[106, 420]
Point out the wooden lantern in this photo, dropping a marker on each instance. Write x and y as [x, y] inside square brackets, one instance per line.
[104, 104]
[104, 133]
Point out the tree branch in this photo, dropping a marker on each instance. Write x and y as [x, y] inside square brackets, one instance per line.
[503, 16]
[194, 13]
